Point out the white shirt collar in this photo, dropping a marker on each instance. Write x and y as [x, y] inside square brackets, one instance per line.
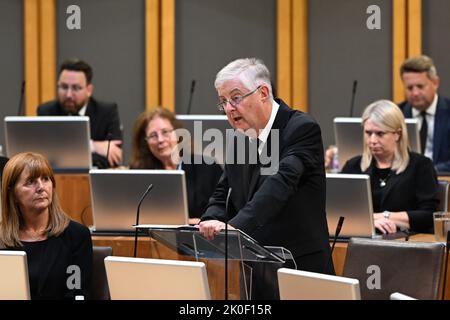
[264, 135]
[431, 110]
[82, 111]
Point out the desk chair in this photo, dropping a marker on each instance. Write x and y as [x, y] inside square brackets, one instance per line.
[443, 195]
[304, 285]
[100, 289]
[386, 266]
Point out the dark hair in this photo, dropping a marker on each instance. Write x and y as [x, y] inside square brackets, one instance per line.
[419, 64]
[76, 64]
[141, 156]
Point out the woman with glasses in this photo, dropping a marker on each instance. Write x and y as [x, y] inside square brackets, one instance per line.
[155, 146]
[404, 184]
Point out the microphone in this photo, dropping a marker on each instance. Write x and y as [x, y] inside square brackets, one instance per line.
[226, 242]
[109, 138]
[445, 264]
[137, 217]
[22, 93]
[352, 104]
[190, 97]
[336, 234]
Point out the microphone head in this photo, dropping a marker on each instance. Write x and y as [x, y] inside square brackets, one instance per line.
[355, 84]
[339, 225]
[192, 85]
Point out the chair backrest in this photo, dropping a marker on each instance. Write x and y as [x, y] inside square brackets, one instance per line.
[100, 289]
[386, 266]
[156, 279]
[304, 285]
[443, 195]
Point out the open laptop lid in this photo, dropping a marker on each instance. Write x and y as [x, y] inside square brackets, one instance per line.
[14, 282]
[116, 194]
[63, 140]
[348, 134]
[349, 195]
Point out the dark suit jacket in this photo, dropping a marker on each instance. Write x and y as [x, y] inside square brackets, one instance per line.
[201, 180]
[103, 118]
[415, 190]
[441, 136]
[286, 208]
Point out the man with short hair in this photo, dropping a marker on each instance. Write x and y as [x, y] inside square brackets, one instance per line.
[284, 207]
[421, 84]
[75, 90]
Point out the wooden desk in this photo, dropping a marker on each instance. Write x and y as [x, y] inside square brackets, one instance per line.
[340, 252]
[150, 248]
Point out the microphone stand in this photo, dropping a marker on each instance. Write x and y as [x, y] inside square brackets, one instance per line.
[445, 265]
[190, 97]
[226, 243]
[336, 234]
[137, 217]
[352, 104]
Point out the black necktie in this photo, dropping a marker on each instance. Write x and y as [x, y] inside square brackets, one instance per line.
[423, 132]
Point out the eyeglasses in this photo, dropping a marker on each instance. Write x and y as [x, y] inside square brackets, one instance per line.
[234, 101]
[75, 88]
[153, 136]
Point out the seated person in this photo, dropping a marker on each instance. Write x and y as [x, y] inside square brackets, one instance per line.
[75, 98]
[33, 221]
[404, 184]
[155, 141]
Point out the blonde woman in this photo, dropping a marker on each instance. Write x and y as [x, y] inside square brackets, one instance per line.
[404, 184]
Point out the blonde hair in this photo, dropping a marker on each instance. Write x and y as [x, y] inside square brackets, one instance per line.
[386, 115]
[12, 219]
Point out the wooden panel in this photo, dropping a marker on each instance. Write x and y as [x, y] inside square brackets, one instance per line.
[47, 56]
[149, 248]
[300, 55]
[152, 54]
[284, 50]
[168, 54]
[74, 193]
[399, 48]
[414, 27]
[31, 56]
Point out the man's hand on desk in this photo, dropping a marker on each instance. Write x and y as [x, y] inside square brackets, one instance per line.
[115, 151]
[210, 228]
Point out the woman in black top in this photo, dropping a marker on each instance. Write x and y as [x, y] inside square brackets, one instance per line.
[59, 251]
[154, 146]
[404, 184]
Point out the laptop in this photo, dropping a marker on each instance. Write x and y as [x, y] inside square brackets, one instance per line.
[156, 279]
[348, 134]
[202, 136]
[116, 195]
[349, 195]
[63, 140]
[14, 282]
[304, 285]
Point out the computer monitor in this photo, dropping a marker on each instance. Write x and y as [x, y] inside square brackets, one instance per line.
[63, 140]
[14, 282]
[116, 194]
[304, 285]
[350, 196]
[156, 279]
[348, 134]
[204, 124]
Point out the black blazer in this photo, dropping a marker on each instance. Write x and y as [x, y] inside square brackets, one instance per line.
[286, 208]
[441, 136]
[415, 190]
[48, 263]
[103, 118]
[201, 180]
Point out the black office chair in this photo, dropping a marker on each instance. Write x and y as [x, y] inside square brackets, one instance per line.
[100, 289]
[443, 195]
[386, 266]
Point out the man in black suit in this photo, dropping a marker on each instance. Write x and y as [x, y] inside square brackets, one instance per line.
[421, 84]
[75, 98]
[280, 200]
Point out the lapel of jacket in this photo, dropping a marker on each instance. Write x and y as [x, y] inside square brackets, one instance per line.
[440, 121]
[279, 123]
[407, 110]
